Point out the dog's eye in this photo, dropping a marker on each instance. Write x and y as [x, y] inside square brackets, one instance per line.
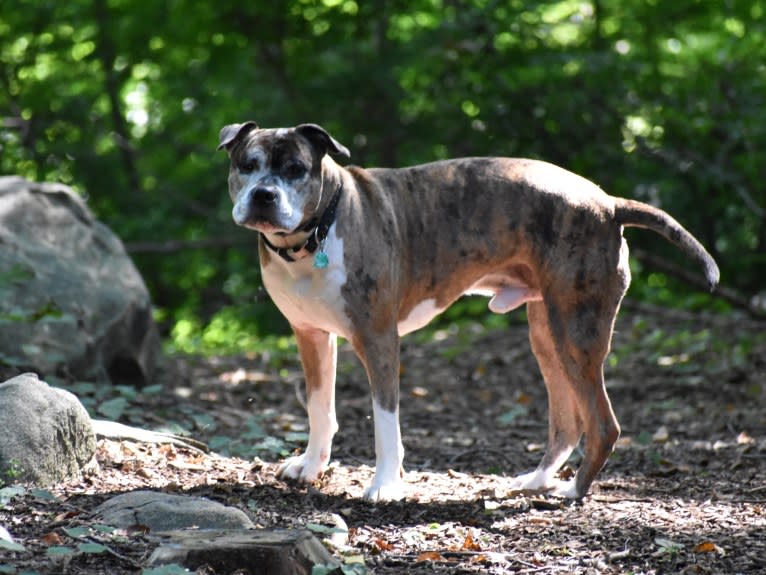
[248, 166]
[294, 170]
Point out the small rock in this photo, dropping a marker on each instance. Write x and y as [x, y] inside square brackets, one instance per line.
[46, 432]
[662, 435]
[168, 512]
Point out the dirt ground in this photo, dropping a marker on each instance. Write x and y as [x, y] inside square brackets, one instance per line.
[684, 492]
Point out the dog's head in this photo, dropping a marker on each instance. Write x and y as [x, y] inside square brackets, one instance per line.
[275, 176]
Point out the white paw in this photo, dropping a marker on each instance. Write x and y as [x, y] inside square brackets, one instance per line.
[391, 491]
[302, 468]
[541, 482]
[533, 482]
[565, 489]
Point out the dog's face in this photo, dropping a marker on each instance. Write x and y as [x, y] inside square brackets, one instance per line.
[275, 176]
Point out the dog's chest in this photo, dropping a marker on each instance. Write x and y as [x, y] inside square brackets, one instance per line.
[309, 296]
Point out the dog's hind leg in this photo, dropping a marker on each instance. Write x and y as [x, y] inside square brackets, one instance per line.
[571, 355]
[564, 422]
[585, 367]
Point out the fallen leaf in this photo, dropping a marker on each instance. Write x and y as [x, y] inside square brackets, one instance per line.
[429, 556]
[567, 472]
[138, 529]
[744, 439]
[524, 399]
[52, 538]
[382, 545]
[470, 544]
[143, 472]
[708, 547]
[66, 515]
[480, 371]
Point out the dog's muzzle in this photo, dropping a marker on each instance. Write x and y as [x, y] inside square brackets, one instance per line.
[256, 206]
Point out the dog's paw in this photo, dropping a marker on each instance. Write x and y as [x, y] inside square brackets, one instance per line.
[533, 482]
[380, 492]
[541, 482]
[301, 468]
[565, 489]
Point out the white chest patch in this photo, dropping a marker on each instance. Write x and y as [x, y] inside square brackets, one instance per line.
[419, 316]
[307, 296]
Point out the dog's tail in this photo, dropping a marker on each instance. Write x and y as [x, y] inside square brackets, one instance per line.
[631, 213]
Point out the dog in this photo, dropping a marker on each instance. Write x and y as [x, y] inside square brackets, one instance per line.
[373, 254]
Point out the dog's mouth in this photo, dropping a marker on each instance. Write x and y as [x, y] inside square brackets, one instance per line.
[266, 227]
[259, 219]
[263, 226]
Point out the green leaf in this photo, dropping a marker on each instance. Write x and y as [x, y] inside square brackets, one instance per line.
[511, 415]
[8, 493]
[92, 548]
[77, 532]
[113, 409]
[644, 438]
[218, 442]
[11, 546]
[273, 445]
[297, 436]
[43, 494]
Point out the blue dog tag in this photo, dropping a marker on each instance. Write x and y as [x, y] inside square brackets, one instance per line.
[321, 260]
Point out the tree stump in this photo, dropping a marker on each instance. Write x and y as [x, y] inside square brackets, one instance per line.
[257, 552]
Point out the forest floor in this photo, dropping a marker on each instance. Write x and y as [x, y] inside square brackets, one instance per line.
[684, 491]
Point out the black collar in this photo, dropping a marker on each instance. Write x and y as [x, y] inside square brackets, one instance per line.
[321, 227]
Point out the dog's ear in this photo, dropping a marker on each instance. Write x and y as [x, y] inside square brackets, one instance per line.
[233, 132]
[318, 136]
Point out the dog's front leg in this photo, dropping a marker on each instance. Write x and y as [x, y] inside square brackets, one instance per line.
[319, 351]
[380, 355]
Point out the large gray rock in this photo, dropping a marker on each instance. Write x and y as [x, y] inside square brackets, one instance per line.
[46, 432]
[71, 300]
[168, 512]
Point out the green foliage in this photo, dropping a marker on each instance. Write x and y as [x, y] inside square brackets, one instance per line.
[658, 101]
[255, 442]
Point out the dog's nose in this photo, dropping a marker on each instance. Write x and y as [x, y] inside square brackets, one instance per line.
[264, 196]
